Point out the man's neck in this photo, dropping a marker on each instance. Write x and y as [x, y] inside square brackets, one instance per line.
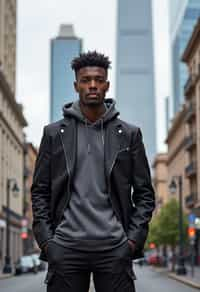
[92, 113]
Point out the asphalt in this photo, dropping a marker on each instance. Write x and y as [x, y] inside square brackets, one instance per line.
[149, 279]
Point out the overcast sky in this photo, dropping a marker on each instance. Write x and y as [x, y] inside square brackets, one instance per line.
[95, 23]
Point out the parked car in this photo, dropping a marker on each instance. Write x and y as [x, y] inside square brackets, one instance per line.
[155, 259]
[40, 264]
[25, 264]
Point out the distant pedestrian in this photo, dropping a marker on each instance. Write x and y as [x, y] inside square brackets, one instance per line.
[92, 195]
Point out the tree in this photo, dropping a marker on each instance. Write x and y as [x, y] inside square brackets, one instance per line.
[169, 224]
[153, 236]
[169, 227]
[164, 228]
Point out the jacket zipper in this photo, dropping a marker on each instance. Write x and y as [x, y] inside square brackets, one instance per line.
[109, 187]
[113, 163]
[68, 183]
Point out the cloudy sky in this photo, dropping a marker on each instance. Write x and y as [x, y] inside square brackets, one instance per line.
[95, 22]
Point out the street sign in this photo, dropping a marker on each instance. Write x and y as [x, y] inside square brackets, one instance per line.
[197, 223]
[24, 222]
[191, 218]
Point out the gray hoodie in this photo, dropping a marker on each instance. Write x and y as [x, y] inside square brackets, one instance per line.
[89, 222]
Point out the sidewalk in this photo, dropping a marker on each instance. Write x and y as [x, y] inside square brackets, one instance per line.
[5, 276]
[186, 279]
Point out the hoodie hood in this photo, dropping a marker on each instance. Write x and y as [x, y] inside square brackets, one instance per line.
[73, 110]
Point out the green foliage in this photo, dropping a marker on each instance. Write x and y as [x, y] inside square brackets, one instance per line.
[164, 228]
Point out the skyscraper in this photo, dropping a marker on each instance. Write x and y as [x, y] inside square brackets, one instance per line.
[183, 17]
[135, 92]
[63, 49]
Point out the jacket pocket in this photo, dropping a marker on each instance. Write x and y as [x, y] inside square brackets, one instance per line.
[131, 273]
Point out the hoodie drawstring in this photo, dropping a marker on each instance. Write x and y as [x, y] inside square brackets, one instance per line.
[102, 133]
[87, 135]
[88, 138]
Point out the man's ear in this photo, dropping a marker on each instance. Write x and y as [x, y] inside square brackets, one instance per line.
[76, 86]
[107, 85]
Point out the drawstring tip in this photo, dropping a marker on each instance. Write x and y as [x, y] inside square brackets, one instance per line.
[89, 148]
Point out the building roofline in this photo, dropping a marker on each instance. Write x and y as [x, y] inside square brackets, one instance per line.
[160, 157]
[192, 42]
[30, 144]
[180, 115]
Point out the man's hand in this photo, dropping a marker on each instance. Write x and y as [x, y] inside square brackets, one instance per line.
[45, 247]
[132, 245]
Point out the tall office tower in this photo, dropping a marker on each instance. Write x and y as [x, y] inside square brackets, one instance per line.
[135, 92]
[12, 123]
[183, 15]
[63, 49]
[167, 116]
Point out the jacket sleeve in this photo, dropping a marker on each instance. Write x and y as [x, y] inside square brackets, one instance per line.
[41, 192]
[143, 197]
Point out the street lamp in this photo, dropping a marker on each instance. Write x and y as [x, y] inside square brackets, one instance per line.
[181, 270]
[15, 190]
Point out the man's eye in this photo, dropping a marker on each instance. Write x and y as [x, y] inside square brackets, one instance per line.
[100, 80]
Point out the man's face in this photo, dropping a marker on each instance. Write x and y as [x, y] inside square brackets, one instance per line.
[91, 84]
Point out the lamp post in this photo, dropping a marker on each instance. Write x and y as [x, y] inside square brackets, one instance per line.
[7, 267]
[181, 270]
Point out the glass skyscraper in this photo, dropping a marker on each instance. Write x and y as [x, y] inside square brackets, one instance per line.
[135, 93]
[63, 49]
[183, 17]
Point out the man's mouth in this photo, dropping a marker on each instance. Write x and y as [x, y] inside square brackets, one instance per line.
[92, 94]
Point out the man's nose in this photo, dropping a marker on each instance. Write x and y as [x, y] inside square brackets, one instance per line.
[93, 84]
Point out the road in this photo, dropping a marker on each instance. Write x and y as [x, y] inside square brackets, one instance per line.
[147, 281]
[150, 281]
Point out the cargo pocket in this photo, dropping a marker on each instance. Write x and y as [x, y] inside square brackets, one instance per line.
[130, 272]
[49, 277]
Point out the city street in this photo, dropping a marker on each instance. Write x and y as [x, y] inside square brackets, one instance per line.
[147, 281]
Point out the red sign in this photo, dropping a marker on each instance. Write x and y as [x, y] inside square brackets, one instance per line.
[24, 235]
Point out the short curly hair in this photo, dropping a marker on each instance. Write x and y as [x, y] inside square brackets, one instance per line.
[90, 59]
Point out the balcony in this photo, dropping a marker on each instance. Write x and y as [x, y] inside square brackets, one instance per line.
[191, 112]
[191, 169]
[190, 200]
[189, 86]
[190, 141]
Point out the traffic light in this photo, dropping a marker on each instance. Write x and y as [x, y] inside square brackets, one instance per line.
[152, 245]
[191, 232]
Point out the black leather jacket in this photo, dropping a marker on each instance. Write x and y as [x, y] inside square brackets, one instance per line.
[127, 173]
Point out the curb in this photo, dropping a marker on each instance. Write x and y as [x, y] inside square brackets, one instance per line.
[184, 281]
[5, 276]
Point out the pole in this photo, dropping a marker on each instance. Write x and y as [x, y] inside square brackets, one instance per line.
[192, 260]
[7, 267]
[181, 270]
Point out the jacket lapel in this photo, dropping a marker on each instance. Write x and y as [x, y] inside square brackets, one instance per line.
[113, 144]
[69, 141]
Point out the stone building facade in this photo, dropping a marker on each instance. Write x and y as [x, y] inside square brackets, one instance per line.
[12, 123]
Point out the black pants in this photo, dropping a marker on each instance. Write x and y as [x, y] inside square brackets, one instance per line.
[69, 270]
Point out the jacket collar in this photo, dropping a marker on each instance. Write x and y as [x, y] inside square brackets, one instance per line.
[114, 142]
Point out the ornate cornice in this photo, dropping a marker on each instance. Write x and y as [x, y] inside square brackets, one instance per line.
[16, 107]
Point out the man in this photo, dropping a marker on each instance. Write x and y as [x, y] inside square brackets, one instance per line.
[92, 195]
